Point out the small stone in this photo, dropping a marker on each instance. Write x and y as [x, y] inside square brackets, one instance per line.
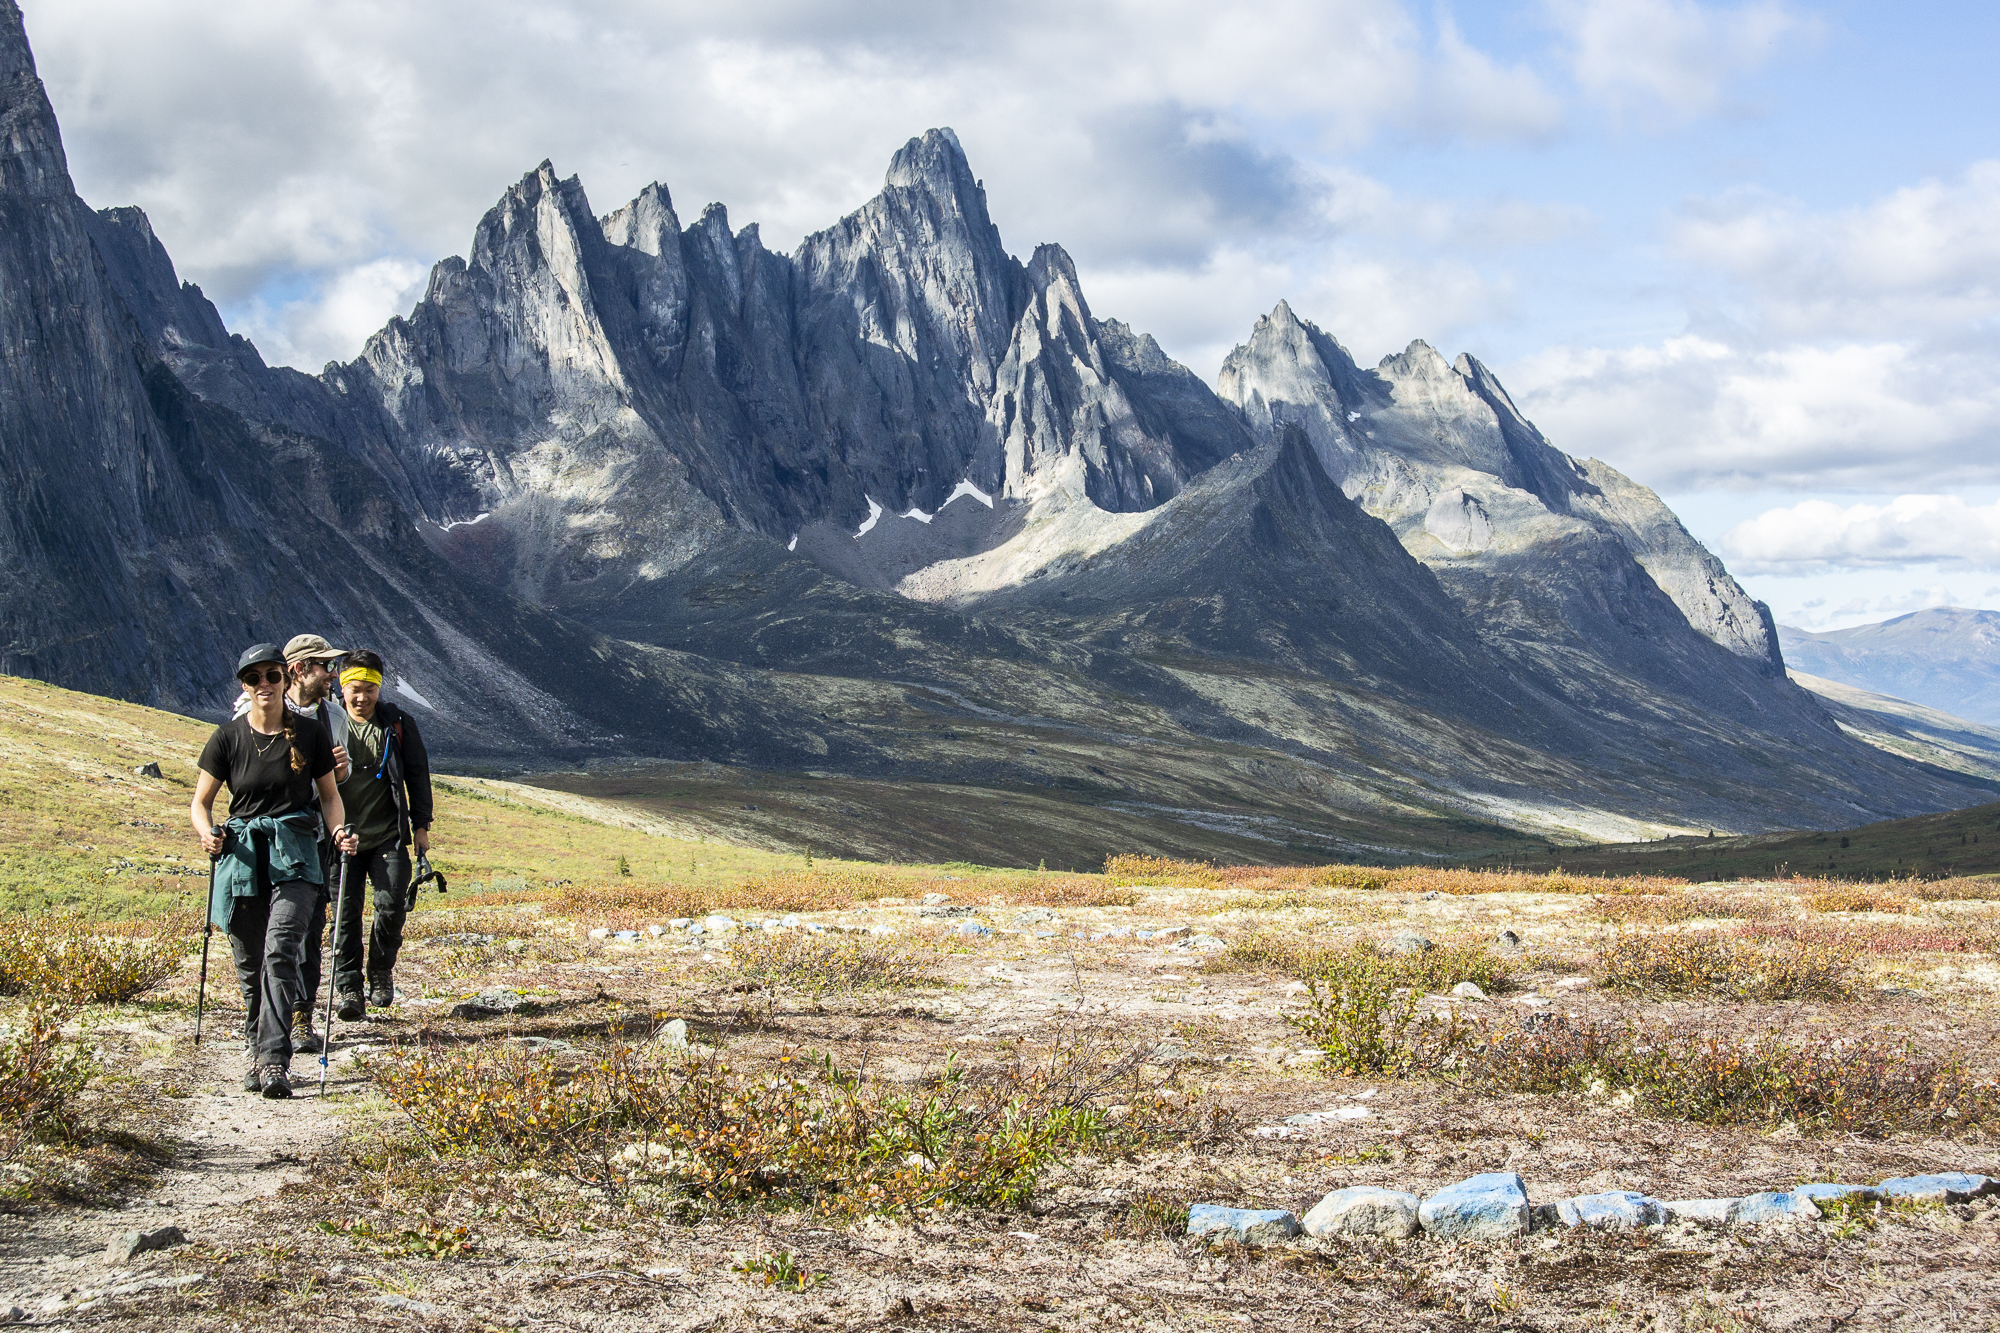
[1034, 916]
[718, 924]
[625, 936]
[490, 1004]
[933, 899]
[1949, 1187]
[1207, 942]
[973, 928]
[1169, 932]
[13, 1314]
[1364, 1210]
[600, 932]
[1491, 1206]
[1772, 1207]
[696, 928]
[1466, 990]
[1507, 939]
[679, 923]
[1572, 983]
[123, 1247]
[675, 1034]
[1250, 1226]
[1114, 933]
[945, 911]
[148, 771]
[1618, 1210]
[1142, 934]
[1406, 943]
[789, 922]
[1532, 1000]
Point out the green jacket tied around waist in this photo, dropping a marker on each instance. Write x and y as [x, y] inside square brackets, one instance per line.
[294, 855]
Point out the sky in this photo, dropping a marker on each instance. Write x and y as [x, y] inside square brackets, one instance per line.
[1749, 254]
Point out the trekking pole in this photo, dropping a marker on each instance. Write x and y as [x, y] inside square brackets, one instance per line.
[339, 918]
[207, 930]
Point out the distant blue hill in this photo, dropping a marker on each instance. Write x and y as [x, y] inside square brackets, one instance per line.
[1945, 658]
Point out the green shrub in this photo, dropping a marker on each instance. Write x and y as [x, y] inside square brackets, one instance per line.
[1366, 1020]
[59, 955]
[42, 1073]
[1434, 970]
[838, 963]
[805, 1133]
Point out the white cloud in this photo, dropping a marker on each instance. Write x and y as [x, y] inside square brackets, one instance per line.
[1817, 535]
[1922, 259]
[309, 329]
[1671, 59]
[282, 144]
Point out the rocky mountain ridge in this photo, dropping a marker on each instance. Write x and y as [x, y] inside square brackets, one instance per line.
[1944, 657]
[894, 504]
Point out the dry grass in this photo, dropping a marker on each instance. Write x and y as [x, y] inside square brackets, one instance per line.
[1876, 937]
[1694, 905]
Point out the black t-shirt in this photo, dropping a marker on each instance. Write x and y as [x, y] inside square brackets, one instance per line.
[257, 769]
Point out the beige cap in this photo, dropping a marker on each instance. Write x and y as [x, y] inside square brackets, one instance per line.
[308, 647]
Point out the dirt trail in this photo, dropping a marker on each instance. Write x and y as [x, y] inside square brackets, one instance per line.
[229, 1147]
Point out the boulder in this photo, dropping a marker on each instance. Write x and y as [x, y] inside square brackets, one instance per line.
[1618, 1210]
[1466, 990]
[148, 771]
[1772, 1206]
[1405, 943]
[718, 924]
[1830, 1192]
[675, 1034]
[1250, 1226]
[1507, 939]
[1364, 1210]
[1492, 1206]
[1948, 1187]
[973, 928]
[490, 1004]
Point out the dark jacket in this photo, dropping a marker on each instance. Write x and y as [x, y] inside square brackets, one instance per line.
[407, 766]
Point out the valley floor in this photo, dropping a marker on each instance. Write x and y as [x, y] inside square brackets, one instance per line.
[369, 1209]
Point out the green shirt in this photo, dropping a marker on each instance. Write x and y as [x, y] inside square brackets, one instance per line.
[371, 806]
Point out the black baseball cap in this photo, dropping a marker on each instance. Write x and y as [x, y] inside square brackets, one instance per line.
[257, 654]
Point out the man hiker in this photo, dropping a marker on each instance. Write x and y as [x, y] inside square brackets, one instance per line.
[387, 795]
[310, 693]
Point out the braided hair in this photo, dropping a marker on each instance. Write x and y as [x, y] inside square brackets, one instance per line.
[291, 733]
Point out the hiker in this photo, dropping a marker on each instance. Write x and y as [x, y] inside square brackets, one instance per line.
[388, 796]
[269, 872]
[308, 659]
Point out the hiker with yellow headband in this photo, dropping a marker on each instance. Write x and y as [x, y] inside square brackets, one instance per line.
[387, 793]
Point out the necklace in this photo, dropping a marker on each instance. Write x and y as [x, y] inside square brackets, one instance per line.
[262, 750]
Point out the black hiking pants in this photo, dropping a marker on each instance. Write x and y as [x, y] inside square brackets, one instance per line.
[310, 975]
[267, 935]
[387, 870]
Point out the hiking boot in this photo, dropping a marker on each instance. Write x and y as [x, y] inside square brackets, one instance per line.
[303, 1036]
[253, 1081]
[277, 1084]
[381, 994]
[351, 1008]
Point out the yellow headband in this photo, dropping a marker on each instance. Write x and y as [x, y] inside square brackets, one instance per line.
[353, 674]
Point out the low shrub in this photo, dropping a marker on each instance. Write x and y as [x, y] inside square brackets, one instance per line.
[60, 955]
[1754, 968]
[1160, 870]
[802, 1133]
[1857, 898]
[1877, 937]
[42, 1073]
[1965, 888]
[1365, 1022]
[1312, 958]
[1676, 908]
[820, 964]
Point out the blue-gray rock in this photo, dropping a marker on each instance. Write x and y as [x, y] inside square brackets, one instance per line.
[973, 928]
[1713, 1212]
[1947, 1187]
[1251, 1226]
[1616, 1210]
[1363, 1210]
[1492, 1206]
[1772, 1206]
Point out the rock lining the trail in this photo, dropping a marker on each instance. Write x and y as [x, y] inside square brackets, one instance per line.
[1495, 1206]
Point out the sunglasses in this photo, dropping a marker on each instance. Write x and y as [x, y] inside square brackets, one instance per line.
[274, 676]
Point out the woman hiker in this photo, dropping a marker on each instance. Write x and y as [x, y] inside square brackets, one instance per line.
[268, 877]
[388, 791]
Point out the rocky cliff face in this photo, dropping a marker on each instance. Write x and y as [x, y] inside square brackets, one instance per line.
[896, 504]
[1439, 451]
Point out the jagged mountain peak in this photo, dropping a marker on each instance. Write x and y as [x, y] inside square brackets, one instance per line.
[933, 161]
[31, 151]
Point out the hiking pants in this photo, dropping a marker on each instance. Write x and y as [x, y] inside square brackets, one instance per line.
[387, 869]
[310, 975]
[267, 935]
